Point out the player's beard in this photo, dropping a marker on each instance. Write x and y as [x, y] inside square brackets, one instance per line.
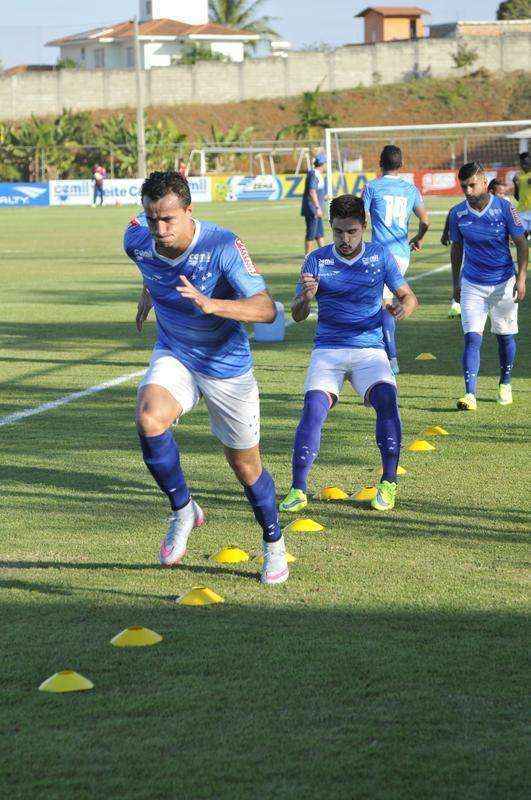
[480, 200]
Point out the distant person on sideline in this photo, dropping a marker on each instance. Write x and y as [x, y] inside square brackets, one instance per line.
[313, 200]
[522, 192]
[99, 175]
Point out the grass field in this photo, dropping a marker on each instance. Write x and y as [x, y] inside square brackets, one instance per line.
[390, 666]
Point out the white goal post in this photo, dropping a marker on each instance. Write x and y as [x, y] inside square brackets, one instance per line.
[436, 147]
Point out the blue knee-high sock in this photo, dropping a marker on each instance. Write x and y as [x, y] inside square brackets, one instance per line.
[389, 329]
[388, 427]
[471, 360]
[507, 352]
[161, 457]
[308, 436]
[261, 496]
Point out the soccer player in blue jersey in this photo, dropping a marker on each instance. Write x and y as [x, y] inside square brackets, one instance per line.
[312, 206]
[347, 279]
[483, 276]
[203, 285]
[390, 200]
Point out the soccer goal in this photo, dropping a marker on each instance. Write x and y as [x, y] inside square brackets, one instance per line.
[429, 151]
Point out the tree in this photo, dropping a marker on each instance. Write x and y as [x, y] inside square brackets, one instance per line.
[464, 57]
[66, 63]
[312, 115]
[241, 14]
[194, 52]
[514, 9]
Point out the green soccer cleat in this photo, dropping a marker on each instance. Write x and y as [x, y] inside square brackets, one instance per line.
[385, 496]
[455, 310]
[505, 394]
[294, 501]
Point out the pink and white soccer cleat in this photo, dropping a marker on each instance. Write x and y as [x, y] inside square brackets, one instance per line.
[275, 567]
[182, 522]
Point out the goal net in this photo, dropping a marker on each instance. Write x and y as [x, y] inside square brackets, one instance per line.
[431, 153]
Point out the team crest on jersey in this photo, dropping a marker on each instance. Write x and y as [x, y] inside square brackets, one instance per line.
[246, 258]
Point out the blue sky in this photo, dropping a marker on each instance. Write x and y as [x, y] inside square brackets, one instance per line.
[27, 24]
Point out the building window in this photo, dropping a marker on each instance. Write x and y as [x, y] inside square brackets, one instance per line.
[83, 55]
[148, 8]
[99, 57]
[130, 58]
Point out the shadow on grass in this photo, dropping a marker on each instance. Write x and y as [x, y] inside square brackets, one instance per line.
[388, 703]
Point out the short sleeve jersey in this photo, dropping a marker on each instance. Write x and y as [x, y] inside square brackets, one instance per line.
[390, 201]
[314, 180]
[349, 297]
[219, 265]
[485, 235]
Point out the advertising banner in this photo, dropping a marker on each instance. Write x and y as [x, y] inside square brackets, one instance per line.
[201, 188]
[121, 191]
[24, 194]
[71, 193]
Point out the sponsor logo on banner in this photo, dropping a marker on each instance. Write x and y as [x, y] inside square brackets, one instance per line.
[71, 193]
[122, 191]
[246, 258]
[438, 181]
[24, 194]
[260, 187]
[200, 189]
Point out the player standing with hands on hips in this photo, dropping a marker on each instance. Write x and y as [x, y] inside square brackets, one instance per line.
[313, 200]
[483, 277]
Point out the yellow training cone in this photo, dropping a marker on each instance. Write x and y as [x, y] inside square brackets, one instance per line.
[420, 446]
[136, 636]
[66, 681]
[303, 525]
[200, 596]
[230, 555]
[399, 471]
[331, 493]
[367, 493]
[435, 430]
[289, 558]
[426, 357]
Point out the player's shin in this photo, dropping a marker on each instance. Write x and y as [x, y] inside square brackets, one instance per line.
[507, 353]
[383, 399]
[161, 457]
[308, 436]
[471, 361]
[261, 495]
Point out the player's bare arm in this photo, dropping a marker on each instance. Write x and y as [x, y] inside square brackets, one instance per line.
[257, 308]
[315, 200]
[424, 224]
[456, 259]
[145, 304]
[522, 257]
[404, 304]
[516, 190]
[301, 303]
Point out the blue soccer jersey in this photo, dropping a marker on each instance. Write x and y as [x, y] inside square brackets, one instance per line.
[485, 238]
[219, 266]
[349, 297]
[390, 200]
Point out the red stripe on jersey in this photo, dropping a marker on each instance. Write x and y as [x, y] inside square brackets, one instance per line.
[134, 223]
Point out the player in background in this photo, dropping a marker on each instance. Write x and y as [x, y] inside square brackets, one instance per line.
[483, 276]
[313, 200]
[522, 192]
[99, 175]
[497, 187]
[347, 278]
[203, 285]
[390, 200]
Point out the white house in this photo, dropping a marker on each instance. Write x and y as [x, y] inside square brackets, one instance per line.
[165, 27]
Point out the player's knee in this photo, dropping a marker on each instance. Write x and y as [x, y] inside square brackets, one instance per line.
[382, 398]
[246, 464]
[473, 340]
[317, 404]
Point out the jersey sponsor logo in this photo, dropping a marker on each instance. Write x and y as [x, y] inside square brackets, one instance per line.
[516, 216]
[462, 213]
[246, 258]
[199, 259]
[370, 259]
[142, 253]
[323, 262]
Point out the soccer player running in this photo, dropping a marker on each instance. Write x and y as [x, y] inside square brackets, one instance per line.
[522, 192]
[390, 200]
[312, 207]
[203, 285]
[483, 276]
[347, 278]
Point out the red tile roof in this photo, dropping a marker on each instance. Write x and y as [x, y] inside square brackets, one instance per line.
[27, 68]
[153, 27]
[394, 11]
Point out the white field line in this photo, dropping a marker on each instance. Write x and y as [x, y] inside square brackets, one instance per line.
[101, 387]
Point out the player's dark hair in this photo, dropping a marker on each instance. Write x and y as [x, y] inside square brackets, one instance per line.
[391, 158]
[347, 206]
[159, 184]
[493, 185]
[523, 156]
[468, 171]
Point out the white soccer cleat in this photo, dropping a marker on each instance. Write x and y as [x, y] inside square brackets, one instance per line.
[505, 394]
[275, 567]
[182, 522]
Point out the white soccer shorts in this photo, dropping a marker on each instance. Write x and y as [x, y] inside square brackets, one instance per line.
[233, 403]
[403, 264]
[478, 302]
[363, 367]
